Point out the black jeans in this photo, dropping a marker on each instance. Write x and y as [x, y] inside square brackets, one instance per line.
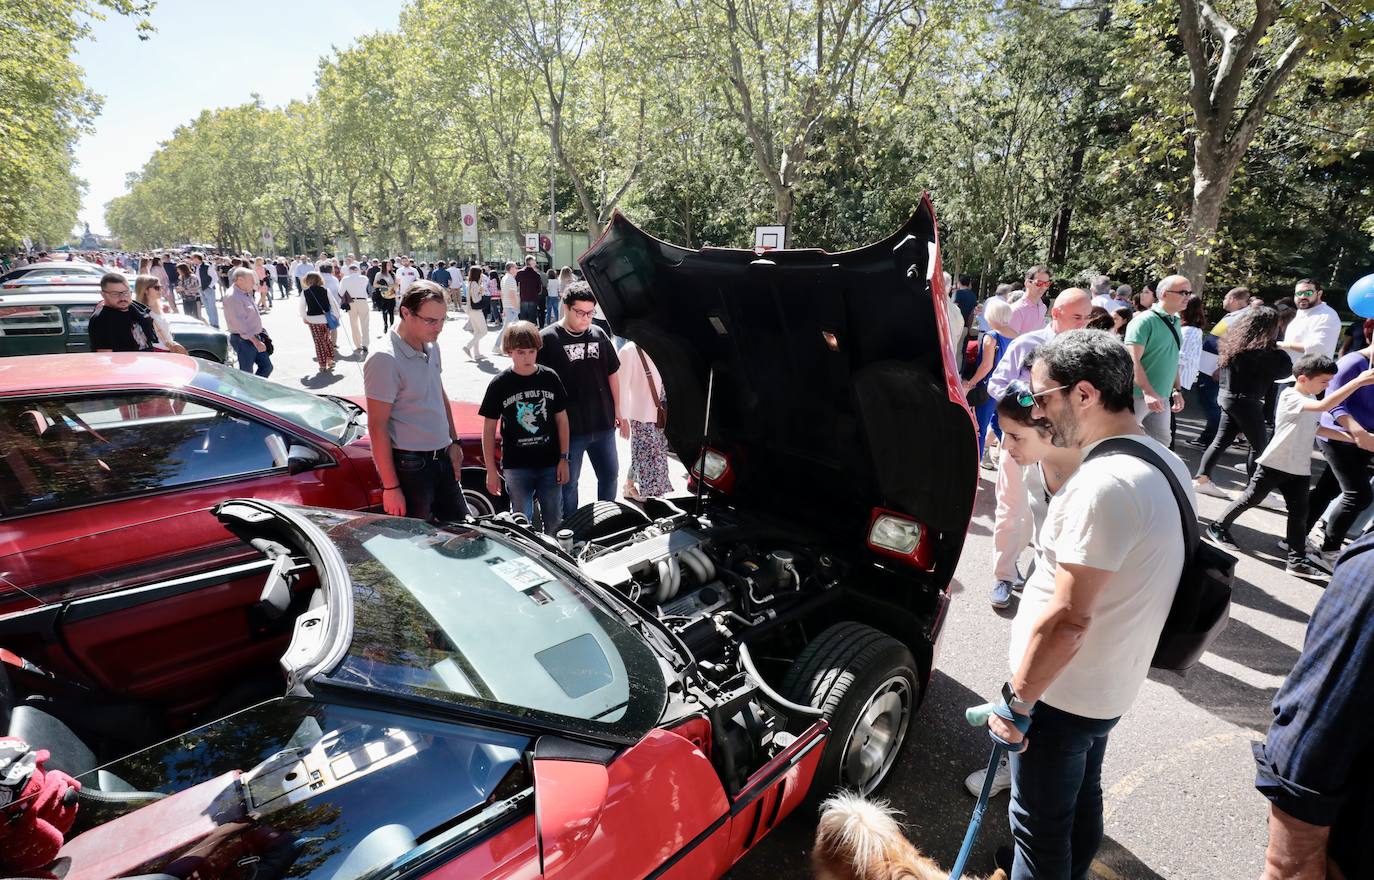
[1346, 474]
[1239, 415]
[430, 487]
[1294, 490]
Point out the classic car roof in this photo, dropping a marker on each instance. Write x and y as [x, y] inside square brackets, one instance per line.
[56, 372]
[51, 296]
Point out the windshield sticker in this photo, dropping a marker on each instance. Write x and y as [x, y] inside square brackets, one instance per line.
[521, 574]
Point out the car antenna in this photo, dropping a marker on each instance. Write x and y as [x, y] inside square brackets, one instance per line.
[705, 438]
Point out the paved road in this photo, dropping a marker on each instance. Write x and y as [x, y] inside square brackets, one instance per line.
[1178, 773]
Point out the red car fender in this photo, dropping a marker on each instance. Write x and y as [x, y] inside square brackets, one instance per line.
[661, 796]
[510, 854]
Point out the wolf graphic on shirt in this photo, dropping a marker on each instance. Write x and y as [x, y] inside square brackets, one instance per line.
[531, 415]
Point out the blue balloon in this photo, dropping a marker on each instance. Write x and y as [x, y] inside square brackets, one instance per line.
[1360, 297]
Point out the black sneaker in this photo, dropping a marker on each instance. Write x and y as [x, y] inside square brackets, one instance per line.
[1218, 535]
[1304, 568]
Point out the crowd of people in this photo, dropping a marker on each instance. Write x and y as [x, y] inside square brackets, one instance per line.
[1051, 383]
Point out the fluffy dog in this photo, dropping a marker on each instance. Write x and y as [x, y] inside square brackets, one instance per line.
[861, 840]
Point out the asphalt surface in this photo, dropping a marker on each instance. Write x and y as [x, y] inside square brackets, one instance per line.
[1178, 776]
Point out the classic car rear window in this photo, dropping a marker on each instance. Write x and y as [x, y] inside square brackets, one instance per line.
[30, 320]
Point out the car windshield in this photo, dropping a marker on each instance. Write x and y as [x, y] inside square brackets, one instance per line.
[297, 788]
[311, 412]
[466, 617]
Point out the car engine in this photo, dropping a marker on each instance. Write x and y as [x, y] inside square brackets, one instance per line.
[711, 583]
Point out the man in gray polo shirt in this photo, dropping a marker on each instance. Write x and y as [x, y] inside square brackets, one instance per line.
[414, 443]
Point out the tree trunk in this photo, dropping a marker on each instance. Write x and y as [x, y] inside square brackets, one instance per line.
[785, 202]
[1210, 185]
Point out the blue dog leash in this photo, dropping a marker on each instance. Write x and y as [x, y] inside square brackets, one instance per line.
[978, 716]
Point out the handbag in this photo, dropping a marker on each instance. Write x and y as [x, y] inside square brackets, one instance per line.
[661, 419]
[1202, 600]
[330, 321]
[267, 341]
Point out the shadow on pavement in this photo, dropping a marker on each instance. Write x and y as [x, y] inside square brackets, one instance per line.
[321, 380]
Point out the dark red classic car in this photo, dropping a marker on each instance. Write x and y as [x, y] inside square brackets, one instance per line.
[647, 696]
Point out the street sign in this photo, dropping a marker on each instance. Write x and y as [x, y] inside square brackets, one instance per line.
[545, 244]
[531, 242]
[469, 222]
[768, 238]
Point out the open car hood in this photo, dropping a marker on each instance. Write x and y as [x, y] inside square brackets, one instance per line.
[834, 388]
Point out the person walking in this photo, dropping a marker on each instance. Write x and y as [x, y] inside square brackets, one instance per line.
[1316, 329]
[166, 283]
[384, 286]
[148, 293]
[283, 276]
[264, 286]
[409, 416]
[585, 359]
[1349, 452]
[529, 284]
[249, 340]
[475, 304]
[1286, 463]
[528, 403]
[1091, 615]
[991, 345]
[1028, 313]
[1045, 467]
[1314, 766]
[1155, 340]
[440, 276]
[1250, 363]
[406, 275]
[1191, 356]
[643, 404]
[551, 287]
[208, 297]
[510, 301]
[316, 310]
[353, 299]
[1010, 525]
[188, 289]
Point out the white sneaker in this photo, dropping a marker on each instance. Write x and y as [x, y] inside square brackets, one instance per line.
[1001, 780]
[1210, 488]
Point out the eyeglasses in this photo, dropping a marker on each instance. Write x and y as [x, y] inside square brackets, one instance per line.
[1187, 292]
[155, 286]
[1039, 283]
[429, 322]
[1029, 398]
[584, 313]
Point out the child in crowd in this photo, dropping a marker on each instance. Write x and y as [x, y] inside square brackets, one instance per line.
[529, 403]
[1286, 463]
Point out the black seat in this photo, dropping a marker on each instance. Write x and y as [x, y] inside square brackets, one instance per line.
[26, 720]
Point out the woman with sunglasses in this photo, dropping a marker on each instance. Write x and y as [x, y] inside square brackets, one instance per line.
[1045, 468]
[148, 292]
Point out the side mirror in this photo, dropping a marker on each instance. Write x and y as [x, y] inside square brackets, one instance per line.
[303, 458]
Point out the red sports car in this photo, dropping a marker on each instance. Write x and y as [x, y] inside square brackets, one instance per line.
[647, 696]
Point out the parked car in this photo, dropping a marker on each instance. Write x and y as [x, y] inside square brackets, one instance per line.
[647, 695]
[73, 271]
[35, 320]
[110, 463]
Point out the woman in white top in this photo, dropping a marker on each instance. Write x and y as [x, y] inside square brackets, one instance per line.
[1045, 468]
[474, 303]
[148, 292]
[641, 398]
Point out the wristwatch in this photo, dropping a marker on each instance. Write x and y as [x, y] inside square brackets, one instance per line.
[564, 456]
[1015, 703]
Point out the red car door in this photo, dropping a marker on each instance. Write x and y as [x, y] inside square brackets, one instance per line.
[163, 460]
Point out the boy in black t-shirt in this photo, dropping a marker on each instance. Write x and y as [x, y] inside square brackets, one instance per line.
[529, 403]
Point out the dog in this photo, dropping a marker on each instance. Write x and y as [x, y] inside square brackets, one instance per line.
[861, 840]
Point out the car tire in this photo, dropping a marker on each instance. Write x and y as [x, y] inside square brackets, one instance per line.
[480, 501]
[865, 682]
[597, 520]
[204, 355]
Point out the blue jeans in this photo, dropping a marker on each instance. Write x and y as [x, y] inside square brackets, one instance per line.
[1207, 390]
[1056, 795]
[207, 297]
[523, 484]
[600, 448]
[249, 356]
[551, 311]
[985, 412]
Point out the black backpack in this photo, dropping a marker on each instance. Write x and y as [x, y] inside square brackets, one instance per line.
[1202, 602]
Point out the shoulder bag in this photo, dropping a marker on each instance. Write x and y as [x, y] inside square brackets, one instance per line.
[661, 419]
[1202, 599]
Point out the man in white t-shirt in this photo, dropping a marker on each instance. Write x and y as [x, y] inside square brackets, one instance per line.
[1317, 327]
[510, 303]
[406, 275]
[300, 267]
[1089, 621]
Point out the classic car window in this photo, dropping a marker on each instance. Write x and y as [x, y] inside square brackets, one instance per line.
[78, 319]
[318, 414]
[59, 452]
[322, 791]
[30, 320]
[464, 616]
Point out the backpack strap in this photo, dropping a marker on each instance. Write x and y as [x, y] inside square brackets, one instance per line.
[1136, 449]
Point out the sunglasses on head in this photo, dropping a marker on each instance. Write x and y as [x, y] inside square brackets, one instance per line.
[1028, 398]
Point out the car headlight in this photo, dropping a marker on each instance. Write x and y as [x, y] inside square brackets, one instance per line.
[712, 465]
[894, 534]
